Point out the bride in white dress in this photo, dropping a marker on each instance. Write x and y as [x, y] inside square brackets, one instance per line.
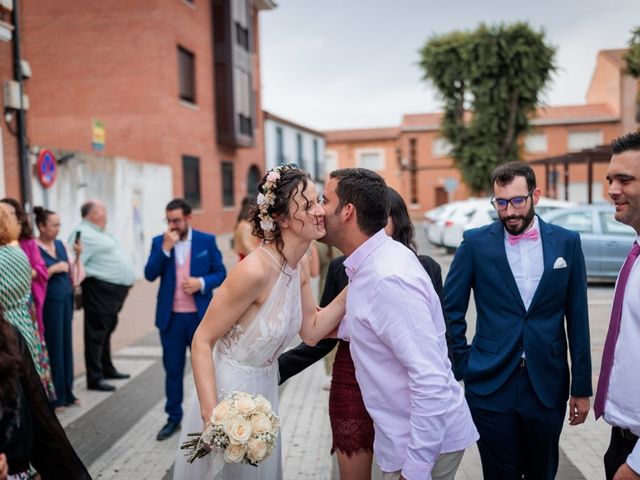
[265, 301]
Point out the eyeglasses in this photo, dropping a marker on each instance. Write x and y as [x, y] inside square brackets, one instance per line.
[517, 202]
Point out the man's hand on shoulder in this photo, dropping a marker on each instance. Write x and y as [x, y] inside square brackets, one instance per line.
[625, 472]
[578, 409]
[169, 240]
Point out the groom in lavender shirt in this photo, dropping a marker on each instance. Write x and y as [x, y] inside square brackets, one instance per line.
[396, 331]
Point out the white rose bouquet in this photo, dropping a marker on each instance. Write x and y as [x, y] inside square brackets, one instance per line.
[243, 428]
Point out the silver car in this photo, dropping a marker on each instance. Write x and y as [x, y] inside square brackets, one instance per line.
[605, 241]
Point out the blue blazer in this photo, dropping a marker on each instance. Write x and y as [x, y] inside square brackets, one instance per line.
[504, 328]
[206, 262]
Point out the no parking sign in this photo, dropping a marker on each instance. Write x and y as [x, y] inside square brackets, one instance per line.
[47, 168]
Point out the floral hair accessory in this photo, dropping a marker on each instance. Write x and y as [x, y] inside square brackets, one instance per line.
[267, 198]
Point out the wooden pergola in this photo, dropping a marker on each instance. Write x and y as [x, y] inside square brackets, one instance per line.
[589, 156]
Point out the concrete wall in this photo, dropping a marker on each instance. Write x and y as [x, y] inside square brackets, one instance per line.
[135, 194]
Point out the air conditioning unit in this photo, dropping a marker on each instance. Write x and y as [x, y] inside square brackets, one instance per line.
[11, 91]
[6, 31]
[6, 4]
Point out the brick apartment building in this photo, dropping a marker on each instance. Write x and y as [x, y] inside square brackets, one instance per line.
[170, 83]
[9, 165]
[415, 160]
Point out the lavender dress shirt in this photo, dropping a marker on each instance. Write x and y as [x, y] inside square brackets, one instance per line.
[397, 332]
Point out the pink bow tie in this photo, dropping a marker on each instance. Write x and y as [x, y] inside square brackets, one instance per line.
[528, 235]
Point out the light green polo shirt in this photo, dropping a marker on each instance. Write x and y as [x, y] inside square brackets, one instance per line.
[102, 255]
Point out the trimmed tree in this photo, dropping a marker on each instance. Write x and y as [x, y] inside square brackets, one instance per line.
[632, 59]
[490, 80]
[632, 55]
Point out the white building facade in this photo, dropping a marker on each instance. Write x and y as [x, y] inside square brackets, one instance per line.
[288, 142]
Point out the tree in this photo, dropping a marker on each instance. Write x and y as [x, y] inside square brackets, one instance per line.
[632, 57]
[490, 80]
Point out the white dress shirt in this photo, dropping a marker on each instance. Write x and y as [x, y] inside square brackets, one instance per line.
[527, 263]
[622, 405]
[396, 330]
[181, 251]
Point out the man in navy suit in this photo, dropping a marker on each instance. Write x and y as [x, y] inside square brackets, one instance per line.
[190, 266]
[530, 292]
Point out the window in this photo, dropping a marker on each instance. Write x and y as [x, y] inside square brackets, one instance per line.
[611, 226]
[535, 143]
[280, 146]
[373, 159]
[243, 102]
[253, 180]
[413, 166]
[227, 184]
[186, 75]
[240, 19]
[581, 222]
[316, 161]
[582, 140]
[441, 147]
[300, 152]
[330, 161]
[191, 180]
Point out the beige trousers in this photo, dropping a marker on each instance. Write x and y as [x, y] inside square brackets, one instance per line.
[445, 467]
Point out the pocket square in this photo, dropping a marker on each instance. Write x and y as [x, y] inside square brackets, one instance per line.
[559, 263]
[204, 253]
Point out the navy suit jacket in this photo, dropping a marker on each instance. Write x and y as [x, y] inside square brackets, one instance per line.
[504, 328]
[206, 262]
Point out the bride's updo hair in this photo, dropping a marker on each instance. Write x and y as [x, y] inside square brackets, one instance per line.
[276, 189]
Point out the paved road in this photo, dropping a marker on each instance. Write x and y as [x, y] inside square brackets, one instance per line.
[114, 433]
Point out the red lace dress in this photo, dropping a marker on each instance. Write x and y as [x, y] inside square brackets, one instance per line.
[351, 425]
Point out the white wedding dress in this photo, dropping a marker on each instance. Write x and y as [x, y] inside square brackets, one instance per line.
[246, 359]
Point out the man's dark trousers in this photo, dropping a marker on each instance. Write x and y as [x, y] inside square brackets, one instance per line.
[512, 421]
[620, 447]
[175, 340]
[102, 301]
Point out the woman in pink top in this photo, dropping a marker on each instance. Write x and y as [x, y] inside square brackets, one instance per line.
[39, 273]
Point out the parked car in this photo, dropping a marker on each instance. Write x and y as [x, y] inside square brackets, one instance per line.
[605, 241]
[435, 220]
[479, 212]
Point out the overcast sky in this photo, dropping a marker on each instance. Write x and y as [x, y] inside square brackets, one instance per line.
[332, 64]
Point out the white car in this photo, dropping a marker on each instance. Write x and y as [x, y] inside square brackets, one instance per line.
[479, 212]
[435, 220]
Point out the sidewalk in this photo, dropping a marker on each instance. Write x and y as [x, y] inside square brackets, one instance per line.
[114, 433]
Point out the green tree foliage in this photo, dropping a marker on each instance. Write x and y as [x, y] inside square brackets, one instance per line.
[496, 74]
[632, 57]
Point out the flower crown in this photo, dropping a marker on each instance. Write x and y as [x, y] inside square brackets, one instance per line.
[267, 199]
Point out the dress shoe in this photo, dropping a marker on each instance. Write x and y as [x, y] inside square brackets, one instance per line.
[169, 429]
[116, 375]
[101, 386]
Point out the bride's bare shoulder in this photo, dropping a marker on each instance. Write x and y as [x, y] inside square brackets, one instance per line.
[254, 269]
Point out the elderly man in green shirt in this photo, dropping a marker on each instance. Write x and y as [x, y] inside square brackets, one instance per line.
[109, 277]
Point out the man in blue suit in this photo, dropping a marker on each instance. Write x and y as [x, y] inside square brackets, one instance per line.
[190, 266]
[530, 292]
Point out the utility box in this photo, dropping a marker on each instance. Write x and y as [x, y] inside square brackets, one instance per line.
[7, 5]
[11, 94]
